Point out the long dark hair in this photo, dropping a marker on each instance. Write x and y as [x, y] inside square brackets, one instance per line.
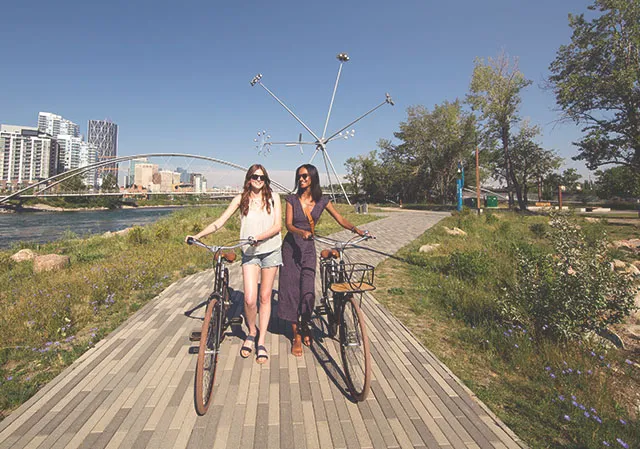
[316, 190]
[266, 190]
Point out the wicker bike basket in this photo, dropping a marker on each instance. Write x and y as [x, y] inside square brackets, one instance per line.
[358, 278]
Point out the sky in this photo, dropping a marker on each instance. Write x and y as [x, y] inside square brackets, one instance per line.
[175, 76]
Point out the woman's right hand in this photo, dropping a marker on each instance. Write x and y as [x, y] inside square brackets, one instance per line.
[186, 239]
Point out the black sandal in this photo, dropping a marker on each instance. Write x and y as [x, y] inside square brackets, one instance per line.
[245, 351]
[261, 358]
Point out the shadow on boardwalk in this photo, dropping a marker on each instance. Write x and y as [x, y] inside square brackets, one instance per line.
[135, 388]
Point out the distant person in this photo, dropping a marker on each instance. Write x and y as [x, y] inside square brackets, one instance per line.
[260, 219]
[296, 292]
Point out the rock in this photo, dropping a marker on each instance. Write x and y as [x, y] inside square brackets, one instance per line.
[23, 254]
[429, 248]
[592, 219]
[50, 262]
[123, 231]
[619, 265]
[454, 231]
[633, 270]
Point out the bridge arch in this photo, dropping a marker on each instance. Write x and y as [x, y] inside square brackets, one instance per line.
[61, 177]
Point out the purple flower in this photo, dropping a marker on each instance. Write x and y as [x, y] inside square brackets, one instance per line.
[10, 378]
[601, 357]
[586, 414]
[547, 368]
[623, 422]
[605, 443]
[628, 362]
[516, 345]
[622, 443]
[574, 403]
[593, 354]
[567, 418]
[553, 376]
[597, 419]
[589, 372]
[561, 397]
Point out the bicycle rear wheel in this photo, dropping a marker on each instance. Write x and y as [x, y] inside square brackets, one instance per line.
[210, 338]
[354, 348]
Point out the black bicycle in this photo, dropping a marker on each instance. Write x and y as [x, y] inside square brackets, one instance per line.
[216, 321]
[343, 285]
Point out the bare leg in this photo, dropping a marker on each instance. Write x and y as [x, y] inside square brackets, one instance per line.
[250, 273]
[296, 344]
[266, 289]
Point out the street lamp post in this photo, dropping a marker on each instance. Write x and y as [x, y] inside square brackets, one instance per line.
[560, 190]
[460, 183]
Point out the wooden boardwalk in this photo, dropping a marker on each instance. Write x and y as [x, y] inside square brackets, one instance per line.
[135, 388]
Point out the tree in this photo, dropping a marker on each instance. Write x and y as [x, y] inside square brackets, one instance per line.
[618, 181]
[495, 92]
[73, 184]
[433, 142]
[596, 80]
[109, 183]
[530, 162]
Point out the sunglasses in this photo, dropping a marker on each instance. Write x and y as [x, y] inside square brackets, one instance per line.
[303, 175]
[259, 177]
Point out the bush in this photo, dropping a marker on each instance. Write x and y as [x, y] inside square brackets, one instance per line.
[538, 229]
[468, 265]
[572, 290]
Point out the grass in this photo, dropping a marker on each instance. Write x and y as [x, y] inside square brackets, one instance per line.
[552, 394]
[47, 320]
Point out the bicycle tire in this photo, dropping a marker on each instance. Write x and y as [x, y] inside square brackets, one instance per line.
[210, 338]
[354, 348]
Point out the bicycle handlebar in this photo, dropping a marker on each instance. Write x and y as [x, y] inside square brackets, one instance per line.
[341, 244]
[214, 249]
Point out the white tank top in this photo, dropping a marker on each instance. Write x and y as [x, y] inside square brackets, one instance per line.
[256, 222]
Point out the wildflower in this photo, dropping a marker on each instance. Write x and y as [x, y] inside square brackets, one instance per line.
[564, 363]
[567, 418]
[553, 376]
[589, 372]
[578, 372]
[547, 368]
[574, 403]
[593, 354]
[597, 419]
[561, 397]
[573, 397]
[623, 422]
[628, 362]
[586, 414]
[622, 443]
[605, 443]
[9, 378]
[516, 345]
[601, 357]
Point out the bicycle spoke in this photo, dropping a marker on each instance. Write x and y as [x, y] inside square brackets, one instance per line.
[354, 348]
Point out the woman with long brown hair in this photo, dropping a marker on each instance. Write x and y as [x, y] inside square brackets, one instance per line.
[260, 220]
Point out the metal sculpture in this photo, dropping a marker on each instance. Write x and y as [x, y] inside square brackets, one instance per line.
[264, 143]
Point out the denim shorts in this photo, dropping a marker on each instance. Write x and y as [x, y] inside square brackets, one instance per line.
[266, 260]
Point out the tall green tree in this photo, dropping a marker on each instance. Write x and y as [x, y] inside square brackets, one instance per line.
[432, 144]
[530, 162]
[495, 91]
[596, 80]
[618, 181]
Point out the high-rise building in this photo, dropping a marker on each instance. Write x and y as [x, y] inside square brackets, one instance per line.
[131, 176]
[26, 155]
[76, 153]
[104, 135]
[54, 125]
[144, 172]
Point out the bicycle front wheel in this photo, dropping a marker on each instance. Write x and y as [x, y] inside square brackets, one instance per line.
[354, 347]
[210, 338]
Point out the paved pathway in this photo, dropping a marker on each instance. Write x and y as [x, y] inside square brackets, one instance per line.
[135, 388]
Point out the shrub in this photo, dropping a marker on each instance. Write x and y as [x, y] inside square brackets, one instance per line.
[137, 235]
[538, 229]
[468, 265]
[570, 291]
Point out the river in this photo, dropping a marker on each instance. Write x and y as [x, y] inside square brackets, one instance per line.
[48, 226]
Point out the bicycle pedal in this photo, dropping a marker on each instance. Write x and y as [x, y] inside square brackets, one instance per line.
[321, 310]
[194, 336]
[235, 321]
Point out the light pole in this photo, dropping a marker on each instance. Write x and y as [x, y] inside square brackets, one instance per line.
[460, 183]
[560, 190]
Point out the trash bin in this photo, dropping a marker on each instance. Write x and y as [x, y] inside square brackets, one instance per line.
[471, 203]
[491, 201]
